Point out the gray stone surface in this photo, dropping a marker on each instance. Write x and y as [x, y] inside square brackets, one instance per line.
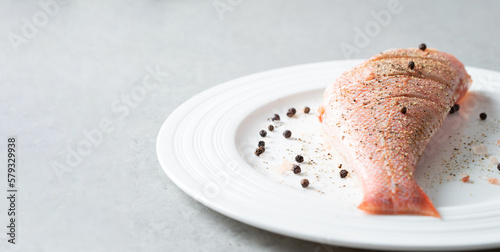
[80, 61]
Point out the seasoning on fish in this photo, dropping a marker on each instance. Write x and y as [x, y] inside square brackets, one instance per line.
[383, 145]
[411, 65]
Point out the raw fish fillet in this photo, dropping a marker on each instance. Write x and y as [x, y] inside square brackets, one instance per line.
[381, 114]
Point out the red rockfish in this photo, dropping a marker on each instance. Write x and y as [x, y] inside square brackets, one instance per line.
[382, 113]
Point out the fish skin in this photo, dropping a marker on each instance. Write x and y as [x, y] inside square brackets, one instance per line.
[362, 118]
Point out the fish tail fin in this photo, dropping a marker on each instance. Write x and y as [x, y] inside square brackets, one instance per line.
[412, 201]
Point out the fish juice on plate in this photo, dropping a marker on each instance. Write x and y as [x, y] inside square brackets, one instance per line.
[382, 113]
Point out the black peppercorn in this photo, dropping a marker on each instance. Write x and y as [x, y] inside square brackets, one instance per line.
[291, 112]
[259, 151]
[452, 110]
[456, 107]
[299, 159]
[482, 116]
[262, 144]
[306, 110]
[343, 173]
[422, 47]
[296, 169]
[411, 65]
[263, 133]
[287, 134]
[304, 183]
[276, 117]
[403, 110]
[270, 127]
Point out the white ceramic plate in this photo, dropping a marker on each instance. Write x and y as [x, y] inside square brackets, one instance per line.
[206, 147]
